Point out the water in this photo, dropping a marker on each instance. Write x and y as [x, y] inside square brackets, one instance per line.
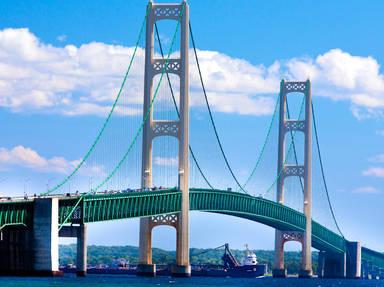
[133, 281]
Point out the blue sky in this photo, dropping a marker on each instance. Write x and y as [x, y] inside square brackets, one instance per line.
[245, 47]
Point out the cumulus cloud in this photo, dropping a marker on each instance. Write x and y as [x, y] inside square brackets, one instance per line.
[24, 157]
[166, 161]
[374, 171]
[342, 76]
[71, 80]
[84, 80]
[366, 190]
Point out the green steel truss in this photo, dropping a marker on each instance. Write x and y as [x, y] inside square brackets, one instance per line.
[103, 207]
[16, 213]
[374, 257]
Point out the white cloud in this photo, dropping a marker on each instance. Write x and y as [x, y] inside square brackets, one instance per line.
[166, 161]
[25, 157]
[342, 76]
[374, 171]
[84, 80]
[366, 190]
[71, 80]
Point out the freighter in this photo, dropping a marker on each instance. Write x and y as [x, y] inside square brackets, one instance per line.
[231, 266]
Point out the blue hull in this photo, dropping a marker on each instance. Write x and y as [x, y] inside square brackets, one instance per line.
[258, 270]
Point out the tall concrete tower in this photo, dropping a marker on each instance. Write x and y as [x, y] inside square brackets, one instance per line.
[158, 128]
[304, 171]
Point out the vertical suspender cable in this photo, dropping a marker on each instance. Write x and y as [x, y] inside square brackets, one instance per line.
[177, 111]
[107, 120]
[211, 116]
[322, 171]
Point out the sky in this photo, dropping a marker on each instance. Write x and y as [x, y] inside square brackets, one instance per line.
[61, 63]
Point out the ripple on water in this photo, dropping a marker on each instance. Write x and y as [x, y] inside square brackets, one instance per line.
[133, 281]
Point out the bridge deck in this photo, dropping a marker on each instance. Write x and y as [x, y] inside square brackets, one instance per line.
[103, 207]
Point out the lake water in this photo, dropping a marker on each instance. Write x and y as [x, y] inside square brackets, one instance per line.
[133, 281]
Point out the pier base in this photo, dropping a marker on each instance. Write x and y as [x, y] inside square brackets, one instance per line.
[81, 273]
[181, 271]
[147, 270]
[279, 273]
[305, 273]
[331, 265]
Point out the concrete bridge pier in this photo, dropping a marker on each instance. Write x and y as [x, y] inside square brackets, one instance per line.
[79, 232]
[341, 265]
[363, 270]
[15, 250]
[381, 273]
[369, 268]
[279, 271]
[81, 262]
[182, 267]
[375, 272]
[366, 269]
[146, 267]
[320, 264]
[33, 251]
[46, 237]
[353, 260]
[331, 265]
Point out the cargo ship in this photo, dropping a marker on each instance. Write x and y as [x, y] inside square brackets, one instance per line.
[231, 267]
[249, 267]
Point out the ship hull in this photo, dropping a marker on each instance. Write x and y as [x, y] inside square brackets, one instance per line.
[255, 271]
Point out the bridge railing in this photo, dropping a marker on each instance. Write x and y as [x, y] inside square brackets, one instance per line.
[264, 211]
[135, 204]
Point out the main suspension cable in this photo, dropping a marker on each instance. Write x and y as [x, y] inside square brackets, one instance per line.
[177, 110]
[210, 114]
[280, 173]
[322, 171]
[107, 120]
[259, 158]
[147, 114]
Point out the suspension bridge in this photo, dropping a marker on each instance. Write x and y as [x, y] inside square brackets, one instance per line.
[125, 158]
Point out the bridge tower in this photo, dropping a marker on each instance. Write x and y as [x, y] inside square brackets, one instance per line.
[157, 128]
[304, 171]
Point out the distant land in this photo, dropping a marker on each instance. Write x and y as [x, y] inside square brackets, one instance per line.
[111, 255]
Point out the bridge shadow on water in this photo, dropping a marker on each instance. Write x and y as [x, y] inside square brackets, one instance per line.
[133, 281]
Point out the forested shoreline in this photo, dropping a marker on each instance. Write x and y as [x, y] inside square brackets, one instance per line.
[112, 255]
